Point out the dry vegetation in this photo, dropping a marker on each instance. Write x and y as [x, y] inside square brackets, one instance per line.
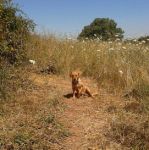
[36, 108]
[121, 68]
[29, 118]
[115, 65]
[29, 109]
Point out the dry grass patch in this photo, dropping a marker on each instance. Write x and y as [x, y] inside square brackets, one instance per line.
[32, 120]
[134, 107]
[131, 131]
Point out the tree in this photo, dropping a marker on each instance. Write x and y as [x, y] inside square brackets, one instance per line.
[144, 38]
[15, 29]
[103, 28]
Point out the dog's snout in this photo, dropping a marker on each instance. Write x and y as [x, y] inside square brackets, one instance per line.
[75, 79]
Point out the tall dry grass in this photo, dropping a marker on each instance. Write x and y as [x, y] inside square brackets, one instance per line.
[115, 65]
[120, 67]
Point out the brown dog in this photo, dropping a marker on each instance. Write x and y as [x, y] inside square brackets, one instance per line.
[77, 86]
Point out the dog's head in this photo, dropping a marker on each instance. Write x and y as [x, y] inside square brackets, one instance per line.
[75, 76]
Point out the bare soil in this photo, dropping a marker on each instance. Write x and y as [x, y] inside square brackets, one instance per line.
[85, 118]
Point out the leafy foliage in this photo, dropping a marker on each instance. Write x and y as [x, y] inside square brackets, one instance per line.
[15, 29]
[144, 38]
[103, 28]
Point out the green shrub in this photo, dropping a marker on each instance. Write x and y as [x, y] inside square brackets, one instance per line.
[15, 29]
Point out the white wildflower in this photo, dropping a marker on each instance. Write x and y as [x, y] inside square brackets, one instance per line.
[123, 47]
[98, 39]
[143, 41]
[83, 41]
[72, 46]
[98, 50]
[111, 49]
[69, 38]
[147, 39]
[118, 39]
[32, 61]
[95, 35]
[110, 42]
[120, 72]
[135, 40]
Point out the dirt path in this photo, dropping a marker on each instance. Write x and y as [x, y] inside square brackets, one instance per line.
[82, 123]
[85, 118]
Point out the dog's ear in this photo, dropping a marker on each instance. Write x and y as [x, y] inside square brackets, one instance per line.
[79, 74]
[70, 74]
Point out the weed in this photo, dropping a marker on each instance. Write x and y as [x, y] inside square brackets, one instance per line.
[134, 107]
[130, 134]
[50, 118]
[111, 109]
[54, 102]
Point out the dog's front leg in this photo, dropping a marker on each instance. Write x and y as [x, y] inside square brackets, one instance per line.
[74, 93]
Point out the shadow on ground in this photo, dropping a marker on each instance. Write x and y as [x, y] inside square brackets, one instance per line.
[69, 95]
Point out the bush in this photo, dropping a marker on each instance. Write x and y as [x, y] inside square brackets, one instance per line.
[15, 29]
[3, 82]
[144, 39]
